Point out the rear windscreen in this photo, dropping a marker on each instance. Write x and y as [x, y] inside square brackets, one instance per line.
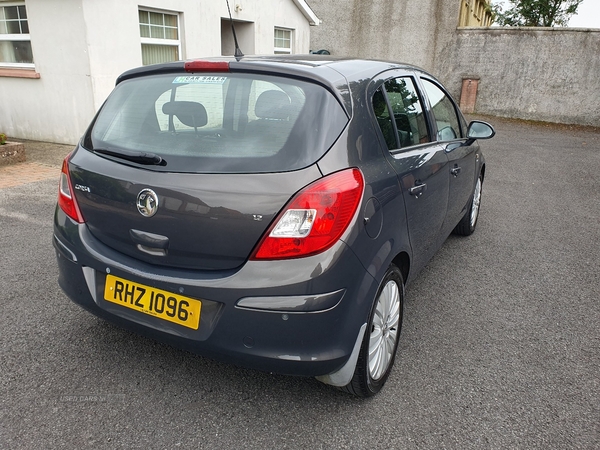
[220, 123]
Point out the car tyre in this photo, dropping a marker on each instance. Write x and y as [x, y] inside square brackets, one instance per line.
[467, 224]
[378, 350]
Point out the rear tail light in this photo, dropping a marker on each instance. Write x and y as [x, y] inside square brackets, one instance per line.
[314, 219]
[66, 199]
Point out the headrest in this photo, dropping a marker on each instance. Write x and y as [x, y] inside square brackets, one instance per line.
[273, 105]
[192, 114]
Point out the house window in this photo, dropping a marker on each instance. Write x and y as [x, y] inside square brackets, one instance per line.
[160, 37]
[283, 41]
[15, 45]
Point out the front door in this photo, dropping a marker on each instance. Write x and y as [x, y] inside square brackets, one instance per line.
[461, 157]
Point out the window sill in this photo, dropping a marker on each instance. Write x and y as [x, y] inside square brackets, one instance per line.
[18, 73]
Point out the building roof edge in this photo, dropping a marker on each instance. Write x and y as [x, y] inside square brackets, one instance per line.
[308, 12]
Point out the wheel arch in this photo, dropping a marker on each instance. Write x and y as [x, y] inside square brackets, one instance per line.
[402, 261]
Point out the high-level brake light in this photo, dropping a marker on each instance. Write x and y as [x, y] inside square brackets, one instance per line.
[206, 66]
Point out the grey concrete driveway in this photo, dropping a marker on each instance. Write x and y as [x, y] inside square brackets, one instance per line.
[500, 346]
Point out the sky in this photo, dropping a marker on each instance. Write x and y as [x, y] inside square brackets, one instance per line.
[588, 14]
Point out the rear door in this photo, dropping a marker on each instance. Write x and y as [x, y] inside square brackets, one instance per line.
[420, 164]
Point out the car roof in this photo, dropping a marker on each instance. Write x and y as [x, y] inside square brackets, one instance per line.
[308, 66]
[334, 73]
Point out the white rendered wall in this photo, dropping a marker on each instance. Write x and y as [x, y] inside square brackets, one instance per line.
[81, 46]
[58, 106]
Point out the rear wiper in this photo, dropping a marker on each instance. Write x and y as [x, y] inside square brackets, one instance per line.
[138, 157]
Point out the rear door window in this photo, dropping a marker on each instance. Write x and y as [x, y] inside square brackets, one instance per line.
[399, 113]
[407, 110]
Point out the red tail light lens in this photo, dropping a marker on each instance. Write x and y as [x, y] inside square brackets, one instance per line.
[314, 219]
[66, 199]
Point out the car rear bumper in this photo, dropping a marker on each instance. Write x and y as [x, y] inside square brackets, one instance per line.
[297, 317]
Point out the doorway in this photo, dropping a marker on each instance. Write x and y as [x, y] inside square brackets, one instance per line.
[245, 37]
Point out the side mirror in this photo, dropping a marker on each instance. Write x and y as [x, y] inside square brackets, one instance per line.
[479, 130]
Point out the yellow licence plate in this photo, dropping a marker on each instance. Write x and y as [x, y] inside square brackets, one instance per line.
[155, 302]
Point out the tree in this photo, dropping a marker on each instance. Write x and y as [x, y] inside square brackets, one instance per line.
[536, 13]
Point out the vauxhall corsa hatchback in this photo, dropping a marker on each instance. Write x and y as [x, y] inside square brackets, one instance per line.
[267, 211]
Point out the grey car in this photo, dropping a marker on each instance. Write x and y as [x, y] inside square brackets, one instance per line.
[267, 211]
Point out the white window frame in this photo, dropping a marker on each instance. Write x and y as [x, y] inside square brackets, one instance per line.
[166, 42]
[16, 37]
[284, 50]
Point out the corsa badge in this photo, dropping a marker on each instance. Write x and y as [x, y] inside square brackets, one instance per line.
[147, 202]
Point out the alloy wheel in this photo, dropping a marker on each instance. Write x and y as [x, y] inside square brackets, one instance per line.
[476, 203]
[384, 330]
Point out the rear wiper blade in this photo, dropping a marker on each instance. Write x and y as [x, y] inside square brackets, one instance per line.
[138, 157]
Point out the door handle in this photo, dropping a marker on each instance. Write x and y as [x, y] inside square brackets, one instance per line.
[418, 190]
[455, 171]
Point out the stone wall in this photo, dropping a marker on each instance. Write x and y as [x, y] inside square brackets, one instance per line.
[546, 74]
[398, 30]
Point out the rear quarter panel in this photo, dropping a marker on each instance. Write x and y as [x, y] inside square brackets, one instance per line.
[359, 146]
